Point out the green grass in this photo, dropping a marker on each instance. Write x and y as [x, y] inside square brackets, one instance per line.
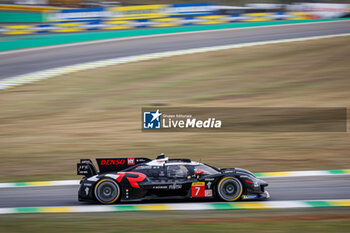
[45, 127]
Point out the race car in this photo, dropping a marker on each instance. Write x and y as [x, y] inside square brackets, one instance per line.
[139, 179]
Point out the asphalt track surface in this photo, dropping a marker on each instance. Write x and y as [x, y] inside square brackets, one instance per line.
[281, 189]
[12, 64]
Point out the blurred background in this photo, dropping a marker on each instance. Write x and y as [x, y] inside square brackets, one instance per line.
[81, 3]
[49, 10]
[46, 126]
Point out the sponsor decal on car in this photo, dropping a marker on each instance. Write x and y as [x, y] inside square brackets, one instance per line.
[251, 196]
[133, 178]
[171, 186]
[208, 193]
[209, 179]
[198, 189]
[131, 161]
[144, 167]
[160, 187]
[198, 184]
[112, 162]
[229, 171]
[209, 184]
[175, 186]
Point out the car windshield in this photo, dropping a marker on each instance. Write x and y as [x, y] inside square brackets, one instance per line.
[177, 171]
[207, 170]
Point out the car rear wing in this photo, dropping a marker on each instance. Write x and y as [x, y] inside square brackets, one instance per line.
[87, 168]
[118, 164]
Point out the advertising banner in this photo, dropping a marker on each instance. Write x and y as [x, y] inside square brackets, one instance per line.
[132, 12]
[138, 12]
[191, 9]
[77, 15]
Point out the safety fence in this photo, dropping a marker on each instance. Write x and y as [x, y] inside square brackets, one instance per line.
[123, 24]
[51, 14]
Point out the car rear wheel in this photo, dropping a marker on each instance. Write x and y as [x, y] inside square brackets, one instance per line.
[107, 191]
[229, 189]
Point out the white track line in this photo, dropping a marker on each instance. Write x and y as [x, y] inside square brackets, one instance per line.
[181, 206]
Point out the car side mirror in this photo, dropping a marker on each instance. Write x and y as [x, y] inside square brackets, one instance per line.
[198, 172]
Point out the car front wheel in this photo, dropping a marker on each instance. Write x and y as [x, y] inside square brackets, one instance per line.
[229, 189]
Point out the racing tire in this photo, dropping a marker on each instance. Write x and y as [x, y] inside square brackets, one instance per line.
[107, 191]
[229, 189]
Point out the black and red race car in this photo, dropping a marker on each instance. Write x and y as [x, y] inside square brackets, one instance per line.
[138, 179]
